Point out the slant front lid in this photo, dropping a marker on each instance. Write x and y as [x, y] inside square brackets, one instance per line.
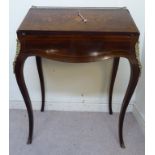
[102, 20]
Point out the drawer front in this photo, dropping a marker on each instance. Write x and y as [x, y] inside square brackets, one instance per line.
[77, 46]
[82, 44]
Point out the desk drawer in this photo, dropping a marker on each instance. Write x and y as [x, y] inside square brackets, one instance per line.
[80, 45]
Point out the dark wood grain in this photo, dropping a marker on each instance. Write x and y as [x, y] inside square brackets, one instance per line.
[61, 34]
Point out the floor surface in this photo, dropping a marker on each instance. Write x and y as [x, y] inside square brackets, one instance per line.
[74, 133]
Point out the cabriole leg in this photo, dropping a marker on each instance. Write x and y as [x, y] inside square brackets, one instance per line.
[22, 86]
[41, 77]
[113, 76]
[134, 76]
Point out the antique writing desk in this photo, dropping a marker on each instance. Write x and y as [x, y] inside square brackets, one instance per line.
[77, 35]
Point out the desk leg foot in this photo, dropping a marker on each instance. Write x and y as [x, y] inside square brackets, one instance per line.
[122, 145]
[113, 76]
[22, 86]
[29, 141]
[134, 76]
[41, 77]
